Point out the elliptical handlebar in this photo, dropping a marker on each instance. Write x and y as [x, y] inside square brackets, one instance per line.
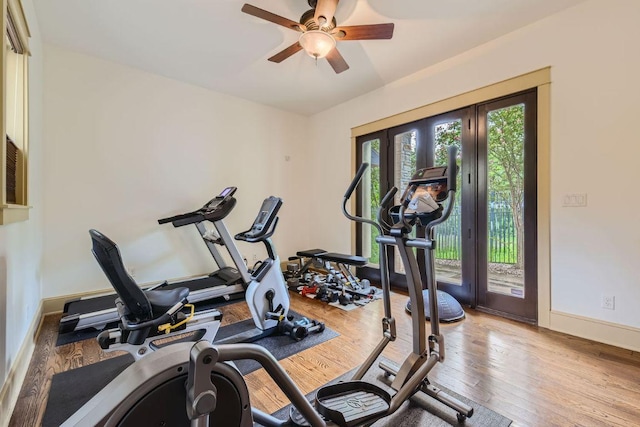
[347, 195]
[383, 208]
[452, 168]
[356, 180]
[388, 197]
[406, 199]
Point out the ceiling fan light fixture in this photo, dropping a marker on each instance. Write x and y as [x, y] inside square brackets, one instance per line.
[317, 43]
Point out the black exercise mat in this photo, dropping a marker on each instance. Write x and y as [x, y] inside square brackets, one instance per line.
[281, 346]
[72, 389]
[89, 333]
[412, 413]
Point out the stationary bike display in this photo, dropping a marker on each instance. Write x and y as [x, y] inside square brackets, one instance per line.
[153, 392]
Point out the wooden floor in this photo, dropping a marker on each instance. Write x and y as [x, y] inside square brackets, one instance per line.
[533, 376]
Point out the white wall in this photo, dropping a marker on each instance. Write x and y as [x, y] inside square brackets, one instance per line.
[21, 243]
[592, 49]
[125, 148]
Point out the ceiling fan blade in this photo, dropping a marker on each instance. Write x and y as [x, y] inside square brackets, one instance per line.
[337, 61]
[271, 17]
[364, 32]
[281, 56]
[325, 8]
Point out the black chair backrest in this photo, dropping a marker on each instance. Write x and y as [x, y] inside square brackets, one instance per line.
[108, 256]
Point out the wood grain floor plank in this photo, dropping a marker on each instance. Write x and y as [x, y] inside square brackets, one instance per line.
[534, 376]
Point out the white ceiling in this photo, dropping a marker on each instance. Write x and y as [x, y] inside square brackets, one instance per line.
[211, 43]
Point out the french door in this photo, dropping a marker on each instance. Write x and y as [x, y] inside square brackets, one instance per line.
[485, 253]
[394, 155]
[507, 207]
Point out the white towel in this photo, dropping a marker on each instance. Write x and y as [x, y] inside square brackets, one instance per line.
[422, 202]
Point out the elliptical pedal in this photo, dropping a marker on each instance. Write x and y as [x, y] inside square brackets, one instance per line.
[352, 403]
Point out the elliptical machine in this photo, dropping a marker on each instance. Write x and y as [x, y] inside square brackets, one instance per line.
[336, 402]
[152, 391]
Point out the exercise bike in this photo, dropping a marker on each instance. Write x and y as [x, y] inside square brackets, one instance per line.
[150, 319]
[154, 390]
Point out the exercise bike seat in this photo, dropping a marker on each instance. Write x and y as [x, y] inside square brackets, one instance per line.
[162, 300]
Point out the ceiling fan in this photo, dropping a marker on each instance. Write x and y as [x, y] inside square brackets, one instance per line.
[320, 32]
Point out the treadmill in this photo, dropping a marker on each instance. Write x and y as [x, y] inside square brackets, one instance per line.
[226, 283]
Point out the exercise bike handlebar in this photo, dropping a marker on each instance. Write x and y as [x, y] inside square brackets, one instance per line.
[247, 236]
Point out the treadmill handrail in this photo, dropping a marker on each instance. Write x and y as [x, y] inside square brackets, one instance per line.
[215, 209]
[217, 212]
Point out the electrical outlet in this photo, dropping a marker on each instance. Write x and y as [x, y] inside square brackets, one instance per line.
[609, 302]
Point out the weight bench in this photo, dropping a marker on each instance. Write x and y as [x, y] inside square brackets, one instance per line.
[323, 255]
[321, 259]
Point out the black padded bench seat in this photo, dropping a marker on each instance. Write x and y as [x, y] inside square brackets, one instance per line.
[358, 261]
[311, 253]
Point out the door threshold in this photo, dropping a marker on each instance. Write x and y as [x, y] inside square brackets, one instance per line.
[507, 315]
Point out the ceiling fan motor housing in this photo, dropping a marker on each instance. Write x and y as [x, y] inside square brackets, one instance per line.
[307, 20]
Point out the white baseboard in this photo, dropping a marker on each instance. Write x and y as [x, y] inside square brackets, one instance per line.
[56, 304]
[18, 370]
[596, 330]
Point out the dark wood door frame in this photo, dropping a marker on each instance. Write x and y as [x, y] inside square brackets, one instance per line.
[523, 309]
[472, 290]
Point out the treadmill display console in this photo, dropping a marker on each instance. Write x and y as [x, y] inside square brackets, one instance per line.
[227, 192]
[220, 198]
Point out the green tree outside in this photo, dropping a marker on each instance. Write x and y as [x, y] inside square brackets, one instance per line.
[506, 185]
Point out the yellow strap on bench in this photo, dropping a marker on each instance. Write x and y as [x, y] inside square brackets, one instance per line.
[167, 327]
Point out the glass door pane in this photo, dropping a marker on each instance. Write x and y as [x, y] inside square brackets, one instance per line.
[455, 251]
[370, 200]
[507, 206]
[449, 234]
[505, 200]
